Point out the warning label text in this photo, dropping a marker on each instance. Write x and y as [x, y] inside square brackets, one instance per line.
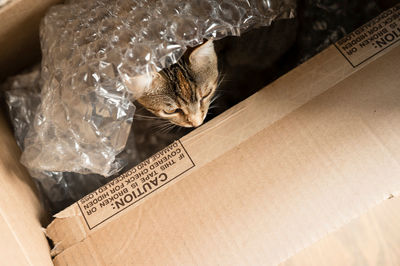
[135, 184]
[371, 38]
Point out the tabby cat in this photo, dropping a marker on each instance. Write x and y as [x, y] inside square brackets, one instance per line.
[182, 93]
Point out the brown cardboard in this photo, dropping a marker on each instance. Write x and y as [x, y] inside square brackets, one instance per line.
[372, 239]
[19, 34]
[22, 241]
[274, 174]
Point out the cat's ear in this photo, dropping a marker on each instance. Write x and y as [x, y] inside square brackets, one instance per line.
[203, 56]
[140, 84]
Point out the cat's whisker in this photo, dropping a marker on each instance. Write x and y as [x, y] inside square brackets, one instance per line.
[142, 119]
[221, 90]
[164, 126]
[141, 109]
[146, 117]
[175, 126]
[162, 129]
[226, 80]
[214, 107]
[160, 125]
[220, 80]
[167, 128]
[157, 123]
[216, 96]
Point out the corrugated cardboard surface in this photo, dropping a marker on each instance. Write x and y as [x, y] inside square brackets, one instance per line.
[22, 241]
[301, 158]
[372, 239]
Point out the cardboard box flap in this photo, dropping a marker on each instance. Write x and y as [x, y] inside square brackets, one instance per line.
[371, 239]
[19, 34]
[290, 93]
[277, 172]
[22, 240]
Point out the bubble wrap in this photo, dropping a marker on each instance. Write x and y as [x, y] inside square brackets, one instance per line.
[92, 50]
[22, 95]
[58, 189]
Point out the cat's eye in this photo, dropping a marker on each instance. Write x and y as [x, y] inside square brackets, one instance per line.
[207, 94]
[170, 111]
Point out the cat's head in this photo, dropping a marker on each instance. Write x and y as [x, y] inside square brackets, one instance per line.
[182, 93]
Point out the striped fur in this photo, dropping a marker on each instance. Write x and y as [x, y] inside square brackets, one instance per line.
[182, 93]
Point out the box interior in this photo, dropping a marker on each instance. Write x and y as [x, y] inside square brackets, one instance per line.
[330, 140]
[21, 214]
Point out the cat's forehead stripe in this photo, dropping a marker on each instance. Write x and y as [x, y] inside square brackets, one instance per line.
[184, 87]
[181, 81]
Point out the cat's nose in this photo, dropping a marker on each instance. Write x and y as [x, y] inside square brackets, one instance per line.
[195, 120]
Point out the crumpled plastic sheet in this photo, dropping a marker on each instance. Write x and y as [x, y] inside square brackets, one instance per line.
[92, 50]
[22, 93]
[58, 189]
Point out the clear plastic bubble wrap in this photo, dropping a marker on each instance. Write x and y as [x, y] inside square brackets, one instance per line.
[58, 189]
[92, 50]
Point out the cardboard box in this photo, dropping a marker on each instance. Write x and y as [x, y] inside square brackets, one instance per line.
[317, 151]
